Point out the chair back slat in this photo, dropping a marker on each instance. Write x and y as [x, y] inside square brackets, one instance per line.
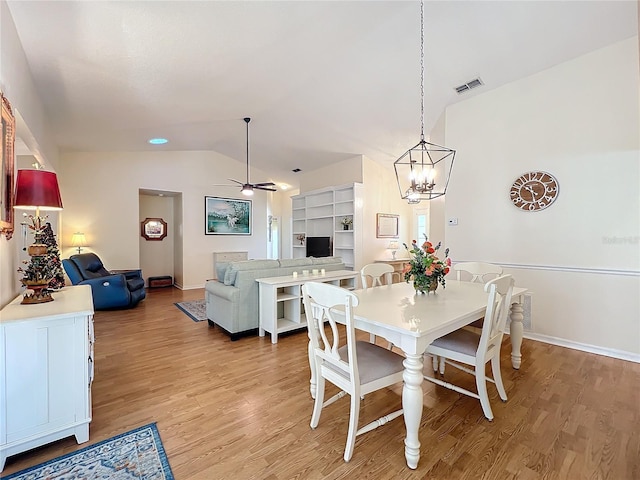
[480, 272]
[500, 291]
[376, 272]
[323, 304]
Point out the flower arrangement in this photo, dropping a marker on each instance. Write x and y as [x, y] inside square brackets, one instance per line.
[346, 221]
[425, 268]
[300, 238]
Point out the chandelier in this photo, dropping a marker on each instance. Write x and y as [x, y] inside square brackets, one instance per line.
[424, 170]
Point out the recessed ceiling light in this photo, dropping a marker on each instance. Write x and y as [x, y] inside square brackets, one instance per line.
[158, 141]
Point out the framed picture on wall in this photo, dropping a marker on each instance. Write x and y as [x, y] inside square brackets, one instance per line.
[153, 229]
[387, 225]
[227, 216]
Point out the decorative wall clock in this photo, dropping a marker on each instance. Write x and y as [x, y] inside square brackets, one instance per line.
[534, 191]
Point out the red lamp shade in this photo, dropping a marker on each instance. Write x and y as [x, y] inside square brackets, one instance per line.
[37, 189]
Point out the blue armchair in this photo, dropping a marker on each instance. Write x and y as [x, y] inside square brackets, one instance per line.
[121, 289]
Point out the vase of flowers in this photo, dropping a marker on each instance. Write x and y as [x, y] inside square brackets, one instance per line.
[425, 268]
[346, 223]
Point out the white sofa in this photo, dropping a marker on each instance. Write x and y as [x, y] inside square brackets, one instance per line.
[232, 299]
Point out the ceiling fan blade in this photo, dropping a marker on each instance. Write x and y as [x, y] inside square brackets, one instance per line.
[232, 180]
[264, 184]
[258, 187]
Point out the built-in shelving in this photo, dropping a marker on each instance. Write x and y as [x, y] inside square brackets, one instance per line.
[320, 213]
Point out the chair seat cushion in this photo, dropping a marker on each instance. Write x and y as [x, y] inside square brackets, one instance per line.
[461, 341]
[374, 361]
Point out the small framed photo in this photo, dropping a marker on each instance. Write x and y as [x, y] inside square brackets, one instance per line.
[227, 216]
[153, 229]
[387, 225]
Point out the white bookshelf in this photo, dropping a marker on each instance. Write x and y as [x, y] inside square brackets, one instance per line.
[319, 213]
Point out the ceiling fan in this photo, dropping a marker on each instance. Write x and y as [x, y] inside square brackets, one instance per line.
[248, 187]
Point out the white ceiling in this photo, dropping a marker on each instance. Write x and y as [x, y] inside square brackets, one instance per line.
[321, 80]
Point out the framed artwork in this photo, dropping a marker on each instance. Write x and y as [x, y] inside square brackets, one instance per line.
[227, 216]
[153, 229]
[7, 166]
[387, 225]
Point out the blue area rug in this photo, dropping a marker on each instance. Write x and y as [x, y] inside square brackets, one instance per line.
[196, 310]
[135, 455]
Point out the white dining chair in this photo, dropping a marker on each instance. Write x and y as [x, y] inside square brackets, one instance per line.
[376, 272]
[479, 272]
[356, 367]
[465, 347]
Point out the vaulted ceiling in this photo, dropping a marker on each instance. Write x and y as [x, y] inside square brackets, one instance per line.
[321, 80]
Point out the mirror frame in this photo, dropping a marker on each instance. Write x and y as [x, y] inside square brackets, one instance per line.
[7, 161]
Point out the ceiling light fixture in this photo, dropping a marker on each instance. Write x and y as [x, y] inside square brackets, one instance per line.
[158, 141]
[417, 168]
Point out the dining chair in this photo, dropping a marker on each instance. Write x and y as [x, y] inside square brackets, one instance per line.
[376, 272]
[465, 347]
[479, 272]
[356, 367]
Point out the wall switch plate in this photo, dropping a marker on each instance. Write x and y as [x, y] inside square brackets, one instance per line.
[453, 221]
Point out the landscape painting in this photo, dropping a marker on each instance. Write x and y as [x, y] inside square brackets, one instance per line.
[227, 216]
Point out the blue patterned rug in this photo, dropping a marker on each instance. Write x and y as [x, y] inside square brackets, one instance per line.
[196, 310]
[135, 455]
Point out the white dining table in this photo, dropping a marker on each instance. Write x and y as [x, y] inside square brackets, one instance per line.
[413, 321]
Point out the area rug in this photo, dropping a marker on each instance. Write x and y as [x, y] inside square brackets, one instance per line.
[135, 455]
[196, 310]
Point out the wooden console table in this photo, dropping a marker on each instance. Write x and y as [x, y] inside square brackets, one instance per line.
[287, 291]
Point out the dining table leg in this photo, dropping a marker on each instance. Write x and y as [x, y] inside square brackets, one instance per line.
[516, 331]
[412, 405]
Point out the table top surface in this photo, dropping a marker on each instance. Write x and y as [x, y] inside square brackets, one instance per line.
[75, 299]
[300, 279]
[397, 307]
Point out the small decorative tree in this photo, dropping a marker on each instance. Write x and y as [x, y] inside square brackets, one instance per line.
[52, 258]
[43, 272]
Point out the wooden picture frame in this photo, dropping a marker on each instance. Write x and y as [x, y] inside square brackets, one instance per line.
[387, 225]
[7, 165]
[227, 216]
[153, 229]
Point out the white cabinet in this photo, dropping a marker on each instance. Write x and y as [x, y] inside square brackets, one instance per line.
[320, 213]
[46, 367]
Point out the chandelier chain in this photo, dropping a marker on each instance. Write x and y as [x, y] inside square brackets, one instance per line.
[422, 70]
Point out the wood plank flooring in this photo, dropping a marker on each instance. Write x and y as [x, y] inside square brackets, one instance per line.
[241, 409]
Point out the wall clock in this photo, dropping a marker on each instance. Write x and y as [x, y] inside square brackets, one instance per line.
[534, 191]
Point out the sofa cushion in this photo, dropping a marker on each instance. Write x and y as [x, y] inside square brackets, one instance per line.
[221, 269]
[235, 267]
[326, 260]
[295, 262]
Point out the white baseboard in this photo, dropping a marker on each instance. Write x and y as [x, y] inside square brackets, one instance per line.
[607, 352]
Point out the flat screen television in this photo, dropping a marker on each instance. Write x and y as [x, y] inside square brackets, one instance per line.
[318, 246]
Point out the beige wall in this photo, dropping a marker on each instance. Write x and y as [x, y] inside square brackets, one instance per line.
[581, 256]
[101, 194]
[157, 256]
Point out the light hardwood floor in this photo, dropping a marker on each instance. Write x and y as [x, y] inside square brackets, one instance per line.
[241, 409]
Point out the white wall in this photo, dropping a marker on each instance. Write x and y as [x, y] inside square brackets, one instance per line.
[31, 125]
[581, 256]
[101, 199]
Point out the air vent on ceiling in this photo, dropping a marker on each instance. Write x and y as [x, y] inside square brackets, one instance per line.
[296, 170]
[476, 82]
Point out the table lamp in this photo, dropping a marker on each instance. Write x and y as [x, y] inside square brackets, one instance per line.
[78, 240]
[393, 246]
[37, 189]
